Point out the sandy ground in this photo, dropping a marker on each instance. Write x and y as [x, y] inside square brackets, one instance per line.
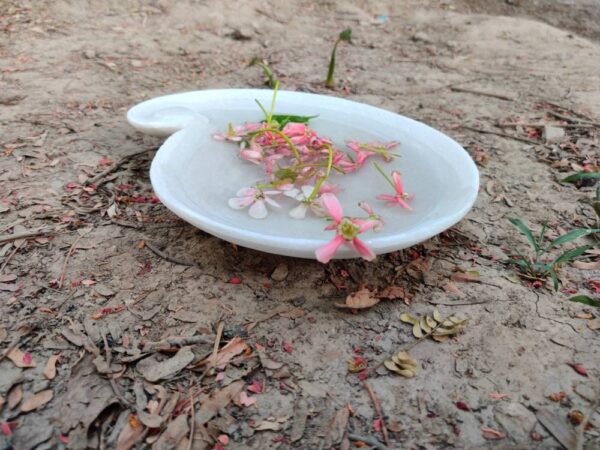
[86, 286]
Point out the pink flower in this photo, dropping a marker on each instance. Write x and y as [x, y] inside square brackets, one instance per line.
[365, 150]
[256, 199]
[372, 216]
[347, 231]
[400, 197]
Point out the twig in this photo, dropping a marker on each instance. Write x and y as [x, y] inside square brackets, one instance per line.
[504, 135]
[377, 407]
[220, 328]
[481, 302]
[64, 267]
[574, 119]
[116, 166]
[484, 93]
[23, 235]
[179, 341]
[584, 424]
[9, 257]
[367, 440]
[167, 257]
[192, 425]
[542, 125]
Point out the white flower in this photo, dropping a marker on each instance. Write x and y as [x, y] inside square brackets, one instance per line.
[257, 199]
[302, 195]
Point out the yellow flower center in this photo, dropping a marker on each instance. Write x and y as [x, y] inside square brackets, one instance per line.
[348, 230]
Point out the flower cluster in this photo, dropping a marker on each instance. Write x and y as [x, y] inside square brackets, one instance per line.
[298, 164]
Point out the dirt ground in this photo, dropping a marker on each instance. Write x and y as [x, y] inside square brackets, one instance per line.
[110, 305]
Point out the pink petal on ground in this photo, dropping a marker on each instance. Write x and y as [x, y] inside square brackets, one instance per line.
[398, 182]
[332, 204]
[363, 249]
[326, 252]
[388, 198]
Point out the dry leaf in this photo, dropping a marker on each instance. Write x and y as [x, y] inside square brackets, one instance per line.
[37, 401]
[50, 369]
[294, 313]
[452, 288]
[336, 427]
[359, 300]
[271, 424]
[226, 354]
[417, 331]
[395, 292]
[491, 434]
[498, 396]
[210, 407]
[407, 318]
[20, 359]
[403, 364]
[15, 396]
[587, 265]
[469, 276]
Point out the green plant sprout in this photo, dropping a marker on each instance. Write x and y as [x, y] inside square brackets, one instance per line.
[270, 78]
[345, 35]
[539, 268]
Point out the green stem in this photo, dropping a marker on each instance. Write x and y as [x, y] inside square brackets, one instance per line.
[329, 82]
[283, 136]
[321, 180]
[384, 175]
[272, 110]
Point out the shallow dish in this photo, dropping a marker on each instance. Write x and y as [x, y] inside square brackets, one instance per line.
[194, 175]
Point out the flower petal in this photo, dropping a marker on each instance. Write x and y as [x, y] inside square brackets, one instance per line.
[272, 202]
[239, 202]
[246, 192]
[292, 193]
[258, 210]
[299, 212]
[403, 204]
[363, 249]
[364, 224]
[389, 198]
[398, 182]
[307, 190]
[332, 205]
[326, 252]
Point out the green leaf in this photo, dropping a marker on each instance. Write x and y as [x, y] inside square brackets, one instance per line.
[580, 176]
[526, 231]
[284, 119]
[286, 174]
[585, 300]
[571, 236]
[571, 254]
[346, 35]
[518, 262]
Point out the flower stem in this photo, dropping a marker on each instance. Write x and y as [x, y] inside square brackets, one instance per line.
[283, 136]
[321, 180]
[384, 175]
